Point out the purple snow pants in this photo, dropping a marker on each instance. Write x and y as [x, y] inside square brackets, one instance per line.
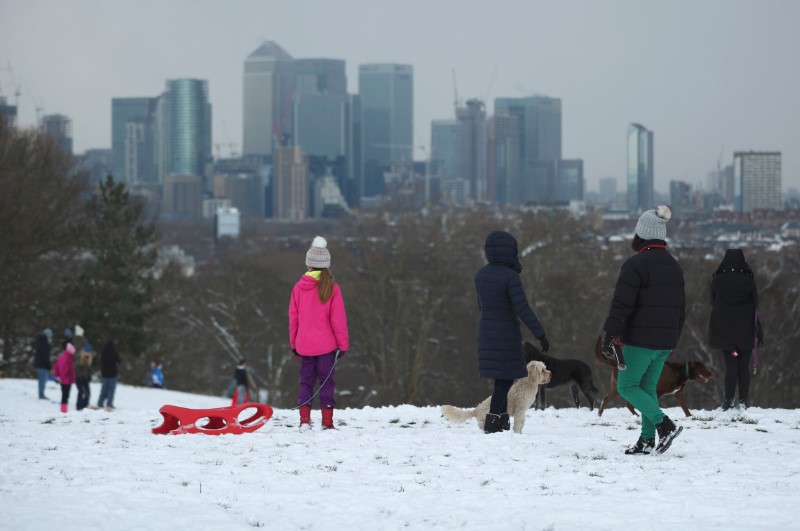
[315, 369]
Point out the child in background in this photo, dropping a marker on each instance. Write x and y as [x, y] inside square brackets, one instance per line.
[157, 375]
[317, 332]
[241, 394]
[83, 375]
[64, 371]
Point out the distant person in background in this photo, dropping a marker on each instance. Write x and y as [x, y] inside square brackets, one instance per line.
[83, 375]
[68, 337]
[732, 326]
[157, 375]
[241, 394]
[109, 372]
[64, 371]
[41, 359]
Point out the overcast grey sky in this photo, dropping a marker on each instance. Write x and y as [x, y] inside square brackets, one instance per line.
[706, 76]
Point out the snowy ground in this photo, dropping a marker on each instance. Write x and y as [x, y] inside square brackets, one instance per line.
[398, 467]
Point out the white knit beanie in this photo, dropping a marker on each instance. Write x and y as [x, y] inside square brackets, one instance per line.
[318, 255]
[652, 224]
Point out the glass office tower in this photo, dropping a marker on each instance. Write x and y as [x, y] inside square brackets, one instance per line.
[387, 103]
[184, 117]
[640, 169]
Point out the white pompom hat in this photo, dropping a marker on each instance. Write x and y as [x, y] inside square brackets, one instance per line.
[652, 224]
[318, 255]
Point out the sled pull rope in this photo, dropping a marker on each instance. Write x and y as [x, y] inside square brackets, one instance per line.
[335, 361]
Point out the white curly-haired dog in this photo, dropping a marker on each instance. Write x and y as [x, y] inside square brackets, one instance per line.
[520, 397]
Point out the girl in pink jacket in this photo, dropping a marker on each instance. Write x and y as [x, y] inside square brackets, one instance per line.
[317, 332]
[64, 370]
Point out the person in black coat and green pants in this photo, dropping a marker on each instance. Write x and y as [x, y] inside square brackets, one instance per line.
[644, 324]
[502, 304]
[731, 328]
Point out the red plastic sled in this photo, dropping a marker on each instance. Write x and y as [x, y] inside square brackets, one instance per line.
[216, 421]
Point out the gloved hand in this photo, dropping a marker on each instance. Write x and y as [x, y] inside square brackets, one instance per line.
[612, 350]
[295, 355]
[544, 343]
[341, 354]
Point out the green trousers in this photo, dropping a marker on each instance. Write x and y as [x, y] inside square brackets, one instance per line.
[638, 384]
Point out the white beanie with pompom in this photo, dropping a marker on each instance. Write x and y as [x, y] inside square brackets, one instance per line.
[652, 224]
[318, 255]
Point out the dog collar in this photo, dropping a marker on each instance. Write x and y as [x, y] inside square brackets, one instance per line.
[687, 370]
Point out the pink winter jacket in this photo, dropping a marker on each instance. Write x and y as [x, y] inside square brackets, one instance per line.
[64, 368]
[316, 328]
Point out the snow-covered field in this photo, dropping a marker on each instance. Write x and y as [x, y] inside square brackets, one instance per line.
[398, 467]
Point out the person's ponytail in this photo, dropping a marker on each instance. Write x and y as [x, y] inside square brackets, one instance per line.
[325, 286]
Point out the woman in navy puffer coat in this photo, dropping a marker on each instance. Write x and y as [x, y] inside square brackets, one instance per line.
[502, 303]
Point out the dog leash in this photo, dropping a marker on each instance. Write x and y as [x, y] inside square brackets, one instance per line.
[755, 342]
[335, 361]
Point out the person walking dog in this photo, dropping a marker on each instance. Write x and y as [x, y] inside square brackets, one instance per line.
[644, 324]
[502, 304]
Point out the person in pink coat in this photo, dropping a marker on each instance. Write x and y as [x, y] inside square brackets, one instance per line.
[64, 371]
[317, 332]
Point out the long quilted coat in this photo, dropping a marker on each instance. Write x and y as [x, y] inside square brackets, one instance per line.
[734, 301]
[502, 304]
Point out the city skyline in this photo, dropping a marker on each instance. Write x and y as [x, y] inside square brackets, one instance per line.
[708, 79]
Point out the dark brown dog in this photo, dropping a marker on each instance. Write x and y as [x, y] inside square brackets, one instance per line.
[672, 381]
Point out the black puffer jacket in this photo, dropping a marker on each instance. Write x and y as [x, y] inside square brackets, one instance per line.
[502, 304]
[649, 306]
[734, 301]
[41, 358]
[109, 361]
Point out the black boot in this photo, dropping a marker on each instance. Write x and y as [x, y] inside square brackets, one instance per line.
[667, 431]
[505, 421]
[726, 405]
[493, 423]
[642, 446]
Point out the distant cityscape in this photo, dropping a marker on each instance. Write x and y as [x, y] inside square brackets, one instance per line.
[310, 150]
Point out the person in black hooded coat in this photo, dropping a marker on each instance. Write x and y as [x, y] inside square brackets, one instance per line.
[502, 304]
[731, 328]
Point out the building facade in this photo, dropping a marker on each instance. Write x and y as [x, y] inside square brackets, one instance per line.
[470, 154]
[387, 106]
[59, 127]
[757, 180]
[123, 111]
[268, 88]
[290, 185]
[184, 130]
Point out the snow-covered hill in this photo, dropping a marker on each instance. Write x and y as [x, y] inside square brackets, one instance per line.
[398, 467]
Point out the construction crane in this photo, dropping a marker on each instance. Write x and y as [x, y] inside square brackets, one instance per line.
[455, 91]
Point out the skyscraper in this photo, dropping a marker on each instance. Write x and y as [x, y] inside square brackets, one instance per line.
[123, 111]
[290, 185]
[757, 180]
[536, 127]
[319, 107]
[8, 112]
[59, 127]
[471, 148]
[387, 104]
[640, 168]
[267, 99]
[443, 148]
[184, 129]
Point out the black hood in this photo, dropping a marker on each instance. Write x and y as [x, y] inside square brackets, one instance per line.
[501, 248]
[734, 262]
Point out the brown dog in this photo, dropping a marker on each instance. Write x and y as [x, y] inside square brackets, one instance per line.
[673, 379]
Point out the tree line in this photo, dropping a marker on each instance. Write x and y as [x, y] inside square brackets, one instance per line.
[74, 254]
